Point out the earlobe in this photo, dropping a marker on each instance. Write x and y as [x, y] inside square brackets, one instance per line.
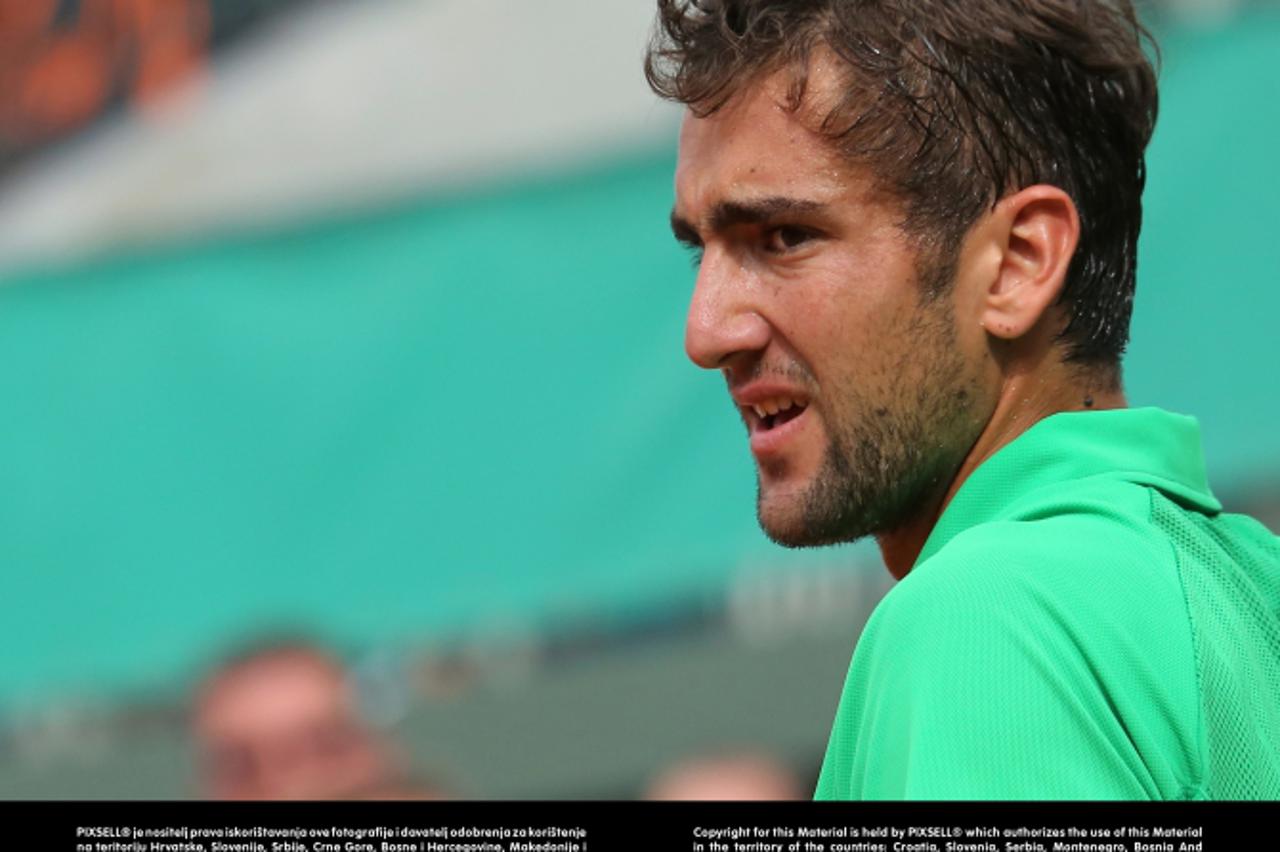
[1038, 229]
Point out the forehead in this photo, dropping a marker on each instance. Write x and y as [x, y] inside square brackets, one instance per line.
[757, 145]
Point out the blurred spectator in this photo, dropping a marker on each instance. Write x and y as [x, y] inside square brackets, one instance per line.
[281, 722]
[739, 776]
[411, 789]
[64, 63]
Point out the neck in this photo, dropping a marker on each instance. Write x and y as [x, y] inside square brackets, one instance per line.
[1025, 399]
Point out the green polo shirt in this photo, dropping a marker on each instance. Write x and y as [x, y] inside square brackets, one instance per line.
[1084, 622]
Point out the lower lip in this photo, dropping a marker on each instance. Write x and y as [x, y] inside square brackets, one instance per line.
[771, 442]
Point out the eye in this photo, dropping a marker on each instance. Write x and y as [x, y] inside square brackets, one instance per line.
[695, 256]
[786, 238]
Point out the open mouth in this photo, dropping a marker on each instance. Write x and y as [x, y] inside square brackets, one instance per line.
[775, 412]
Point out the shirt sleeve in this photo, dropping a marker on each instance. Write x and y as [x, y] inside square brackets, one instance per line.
[972, 684]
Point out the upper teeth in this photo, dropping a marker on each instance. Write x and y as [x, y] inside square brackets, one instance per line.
[773, 406]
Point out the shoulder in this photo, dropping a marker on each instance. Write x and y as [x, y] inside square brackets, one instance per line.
[1028, 642]
[1093, 561]
[1096, 594]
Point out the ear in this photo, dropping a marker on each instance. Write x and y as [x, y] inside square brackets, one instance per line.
[1036, 231]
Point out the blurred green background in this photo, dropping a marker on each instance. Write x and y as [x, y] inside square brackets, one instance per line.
[457, 420]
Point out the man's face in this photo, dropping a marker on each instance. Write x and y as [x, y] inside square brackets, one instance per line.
[284, 727]
[853, 385]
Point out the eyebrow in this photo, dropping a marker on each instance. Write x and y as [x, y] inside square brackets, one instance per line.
[726, 214]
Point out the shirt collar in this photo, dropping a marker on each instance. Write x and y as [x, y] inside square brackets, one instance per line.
[1147, 446]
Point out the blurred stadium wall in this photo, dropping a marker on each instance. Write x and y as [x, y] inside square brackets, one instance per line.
[372, 328]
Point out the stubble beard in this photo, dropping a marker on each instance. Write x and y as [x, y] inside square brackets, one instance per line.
[886, 458]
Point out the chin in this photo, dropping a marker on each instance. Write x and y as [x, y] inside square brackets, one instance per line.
[797, 535]
[806, 517]
[788, 536]
[787, 525]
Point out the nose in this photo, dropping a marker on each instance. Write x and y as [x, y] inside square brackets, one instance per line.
[723, 323]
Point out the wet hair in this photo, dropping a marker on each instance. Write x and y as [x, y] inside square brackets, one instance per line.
[952, 106]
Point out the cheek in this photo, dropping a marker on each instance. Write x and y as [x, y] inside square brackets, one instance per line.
[973, 341]
[850, 330]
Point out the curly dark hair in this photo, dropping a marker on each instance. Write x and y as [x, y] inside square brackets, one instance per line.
[952, 105]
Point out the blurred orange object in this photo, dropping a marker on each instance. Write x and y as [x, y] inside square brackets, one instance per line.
[60, 72]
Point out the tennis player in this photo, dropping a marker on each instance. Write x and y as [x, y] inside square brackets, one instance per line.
[916, 228]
